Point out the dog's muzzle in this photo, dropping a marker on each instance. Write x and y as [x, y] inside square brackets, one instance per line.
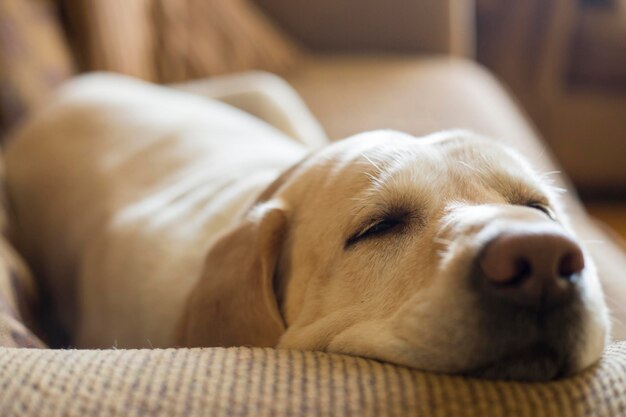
[528, 287]
[537, 270]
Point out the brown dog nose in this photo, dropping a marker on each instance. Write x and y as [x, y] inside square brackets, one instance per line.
[536, 269]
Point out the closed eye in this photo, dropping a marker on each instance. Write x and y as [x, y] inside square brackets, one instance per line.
[542, 207]
[377, 229]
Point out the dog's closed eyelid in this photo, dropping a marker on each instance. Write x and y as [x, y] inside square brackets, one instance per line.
[376, 228]
[381, 225]
[545, 208]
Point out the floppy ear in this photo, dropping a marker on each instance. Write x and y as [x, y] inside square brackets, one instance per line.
[233, 303]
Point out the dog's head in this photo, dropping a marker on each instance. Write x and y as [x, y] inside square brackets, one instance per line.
[446, 253]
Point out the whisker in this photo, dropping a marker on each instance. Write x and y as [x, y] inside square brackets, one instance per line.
[372, 162]
[372, 178]
[468, 166]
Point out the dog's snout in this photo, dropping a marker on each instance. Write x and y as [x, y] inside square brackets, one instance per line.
[537, 269]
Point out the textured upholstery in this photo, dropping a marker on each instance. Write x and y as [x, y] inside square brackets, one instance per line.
[268, 382]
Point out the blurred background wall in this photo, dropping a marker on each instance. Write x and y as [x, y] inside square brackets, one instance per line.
[564, 60]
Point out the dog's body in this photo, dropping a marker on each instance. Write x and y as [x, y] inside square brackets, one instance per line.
[120, 181]
[380, 245]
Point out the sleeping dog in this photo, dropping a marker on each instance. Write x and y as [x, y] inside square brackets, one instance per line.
[158, 218]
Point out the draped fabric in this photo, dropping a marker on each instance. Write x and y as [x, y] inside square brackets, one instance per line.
[176, 40]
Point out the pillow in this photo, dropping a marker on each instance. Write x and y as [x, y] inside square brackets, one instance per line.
[176, 40]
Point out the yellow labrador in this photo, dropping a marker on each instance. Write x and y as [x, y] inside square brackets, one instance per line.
[156, 218]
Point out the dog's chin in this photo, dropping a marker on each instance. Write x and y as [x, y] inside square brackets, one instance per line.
[530, 343]
[538, 362]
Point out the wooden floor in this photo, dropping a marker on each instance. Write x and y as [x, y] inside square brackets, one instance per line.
[612, 214]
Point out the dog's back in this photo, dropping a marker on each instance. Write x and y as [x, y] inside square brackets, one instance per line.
[119, 186]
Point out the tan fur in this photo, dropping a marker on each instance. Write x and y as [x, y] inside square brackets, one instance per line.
[287, 271]
[236, 305]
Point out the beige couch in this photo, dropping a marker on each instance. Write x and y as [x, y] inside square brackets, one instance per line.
[347, 94]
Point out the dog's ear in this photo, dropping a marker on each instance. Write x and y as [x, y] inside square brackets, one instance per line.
[233, 303]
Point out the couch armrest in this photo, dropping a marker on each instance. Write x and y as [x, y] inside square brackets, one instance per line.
[432, 26]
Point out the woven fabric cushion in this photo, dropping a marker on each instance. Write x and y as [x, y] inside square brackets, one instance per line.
[268, 382]
[176, 40]
[33, 57]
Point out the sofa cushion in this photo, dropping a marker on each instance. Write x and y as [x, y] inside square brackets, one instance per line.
[270, 382]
